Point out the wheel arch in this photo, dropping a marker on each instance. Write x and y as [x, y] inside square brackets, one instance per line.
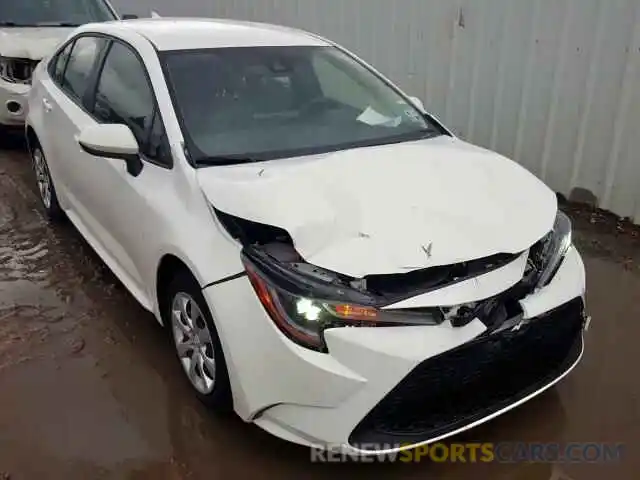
[168, 267]
[32, 137]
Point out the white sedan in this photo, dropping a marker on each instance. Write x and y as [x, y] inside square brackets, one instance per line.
[332, 263]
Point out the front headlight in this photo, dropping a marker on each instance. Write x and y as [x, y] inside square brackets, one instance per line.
[555, 249]
[6, 70]
[303, 316]
[17, 70]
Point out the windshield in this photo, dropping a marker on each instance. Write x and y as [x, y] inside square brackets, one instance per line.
[38, 13]
[261, 103]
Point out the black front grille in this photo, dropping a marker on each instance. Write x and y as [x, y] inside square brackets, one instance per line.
[473, 381]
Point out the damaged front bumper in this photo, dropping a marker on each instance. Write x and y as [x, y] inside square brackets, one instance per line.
[394, 388]
[13, 103]
[476, 381]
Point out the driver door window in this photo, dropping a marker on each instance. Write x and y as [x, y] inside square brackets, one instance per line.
[124, 95]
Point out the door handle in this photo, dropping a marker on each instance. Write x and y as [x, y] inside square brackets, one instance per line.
[47, 105]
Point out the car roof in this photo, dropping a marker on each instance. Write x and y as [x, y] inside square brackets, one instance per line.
[201, 33]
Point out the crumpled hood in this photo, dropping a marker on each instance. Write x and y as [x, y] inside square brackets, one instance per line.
[392, 208]
[33, 43]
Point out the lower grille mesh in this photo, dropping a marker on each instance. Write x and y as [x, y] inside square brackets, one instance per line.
[477, 379]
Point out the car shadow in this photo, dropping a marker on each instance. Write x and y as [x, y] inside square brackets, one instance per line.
[12, 139]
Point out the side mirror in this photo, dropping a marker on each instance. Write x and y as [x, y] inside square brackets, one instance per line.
[129, 16]
[112, 140]
[418, 103]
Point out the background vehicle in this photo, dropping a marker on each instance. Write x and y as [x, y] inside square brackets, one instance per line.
[29, 31]
[328, 257]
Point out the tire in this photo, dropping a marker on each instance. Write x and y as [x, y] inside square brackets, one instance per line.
[44, 183]
[196, 342]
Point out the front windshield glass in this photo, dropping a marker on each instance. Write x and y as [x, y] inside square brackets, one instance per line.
[261, 103]
[38, 13]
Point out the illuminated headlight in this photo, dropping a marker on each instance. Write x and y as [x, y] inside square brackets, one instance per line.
[303, 317]
[555, 248]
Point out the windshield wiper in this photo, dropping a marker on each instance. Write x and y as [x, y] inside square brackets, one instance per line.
[421, 134]
[222, 160]
[11, 23]
[57, 24]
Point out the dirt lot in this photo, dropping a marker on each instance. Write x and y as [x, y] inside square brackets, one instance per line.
[89, 387]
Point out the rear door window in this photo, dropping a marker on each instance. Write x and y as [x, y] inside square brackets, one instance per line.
[80, 65]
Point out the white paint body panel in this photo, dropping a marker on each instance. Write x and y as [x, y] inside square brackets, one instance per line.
[29, 42]
[112, 138]
[468, 202]
[161, 32]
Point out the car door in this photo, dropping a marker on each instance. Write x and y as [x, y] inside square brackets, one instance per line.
[64, 115]
[125, 207]
[42, 95]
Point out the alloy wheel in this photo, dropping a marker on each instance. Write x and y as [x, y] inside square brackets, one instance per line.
[193, 342]
[43, 178]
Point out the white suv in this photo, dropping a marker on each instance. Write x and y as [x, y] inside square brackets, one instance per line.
[330, 260]
[29, 31]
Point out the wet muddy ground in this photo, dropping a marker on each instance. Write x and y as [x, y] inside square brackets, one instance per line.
[89, 387]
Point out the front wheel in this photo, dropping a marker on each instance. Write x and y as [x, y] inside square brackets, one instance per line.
[197, 343]
[45, 185]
